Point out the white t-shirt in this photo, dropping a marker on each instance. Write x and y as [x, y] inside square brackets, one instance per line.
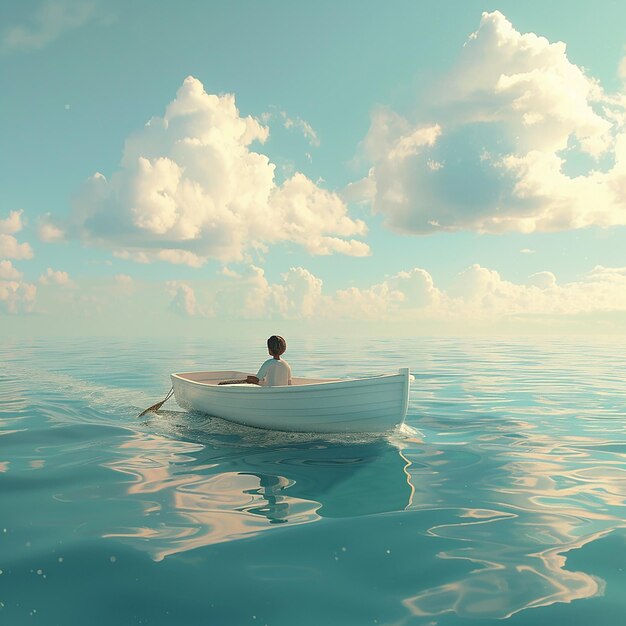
[274, 372]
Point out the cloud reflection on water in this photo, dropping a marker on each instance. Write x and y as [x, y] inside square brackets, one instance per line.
[550, 497]
[197, 494]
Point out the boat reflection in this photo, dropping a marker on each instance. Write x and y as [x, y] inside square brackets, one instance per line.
[224, 485]
[276, 505]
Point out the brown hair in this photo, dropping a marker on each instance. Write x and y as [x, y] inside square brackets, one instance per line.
[276, 345]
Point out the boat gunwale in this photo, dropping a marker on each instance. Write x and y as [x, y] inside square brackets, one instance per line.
[245, 388]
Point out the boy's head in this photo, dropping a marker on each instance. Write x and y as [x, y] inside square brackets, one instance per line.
[276, 345]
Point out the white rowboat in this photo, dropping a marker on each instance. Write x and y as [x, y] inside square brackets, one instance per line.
[375, 404]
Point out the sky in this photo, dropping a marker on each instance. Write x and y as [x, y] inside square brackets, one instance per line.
[406, 167]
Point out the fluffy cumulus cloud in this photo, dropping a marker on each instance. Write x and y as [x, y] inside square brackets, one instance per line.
[190, 187]
[184, 301]
[404, 295]
[298, 295]
[16, 296]
[250, 295]
[8, 272]
[55, 277]
[12, 223]
[481, 293]
[10, 247]
[478, 295]
[514, 138]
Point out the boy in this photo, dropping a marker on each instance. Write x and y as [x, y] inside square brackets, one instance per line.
[275, 371]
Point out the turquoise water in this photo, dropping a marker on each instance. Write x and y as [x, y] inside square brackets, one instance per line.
[503, 498]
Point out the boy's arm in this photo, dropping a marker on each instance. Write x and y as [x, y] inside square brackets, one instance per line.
[255, 380]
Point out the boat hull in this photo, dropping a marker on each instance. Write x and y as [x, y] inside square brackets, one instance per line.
[375, 404]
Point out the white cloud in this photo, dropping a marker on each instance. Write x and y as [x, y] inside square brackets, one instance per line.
[369, 303]
[361, 191]
[478, 295]
[184, 300]
[180, 257]
[123, 279]
[245, 295]
[190, 188]
[12, 224]
[47, 231]
[55, 277]
[393, 136]
[8, 272]
[123, 285]
[9, 246]
[543, 280]
[17, 297]
[403, 295]
[293, 123]
[481, 293]
[311, 216]
[138, 257]
[51, 20]
[304, 127]
[493, 148]
[521, 79]
[226, 271]
[299, 294]
[249, 295]
[12, 249]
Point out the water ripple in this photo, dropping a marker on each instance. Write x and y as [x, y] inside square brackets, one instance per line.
[510, 468]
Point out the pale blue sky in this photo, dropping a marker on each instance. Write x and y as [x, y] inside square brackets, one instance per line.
[78, 78]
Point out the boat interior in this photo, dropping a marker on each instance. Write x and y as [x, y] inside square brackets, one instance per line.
[214, 378]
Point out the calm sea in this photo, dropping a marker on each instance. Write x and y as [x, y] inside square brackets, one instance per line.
[503, 498]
